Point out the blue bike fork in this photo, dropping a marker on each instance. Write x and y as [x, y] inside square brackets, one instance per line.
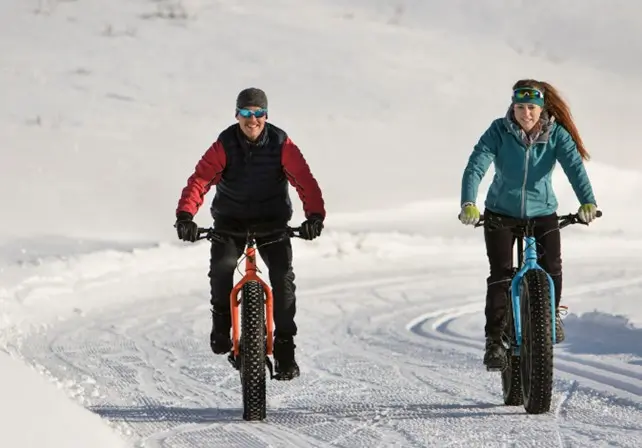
[530, 262]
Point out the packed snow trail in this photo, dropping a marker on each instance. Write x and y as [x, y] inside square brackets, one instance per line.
[386, 359]
[391, 349]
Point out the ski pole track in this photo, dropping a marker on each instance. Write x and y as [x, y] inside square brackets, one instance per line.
[366, 380]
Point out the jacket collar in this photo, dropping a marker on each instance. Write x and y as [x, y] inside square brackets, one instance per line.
[546, 124]
[248, 145]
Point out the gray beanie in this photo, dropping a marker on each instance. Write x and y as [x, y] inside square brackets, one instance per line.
[251, 97]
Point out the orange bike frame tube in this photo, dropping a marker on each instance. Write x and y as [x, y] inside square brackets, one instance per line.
[251, 275]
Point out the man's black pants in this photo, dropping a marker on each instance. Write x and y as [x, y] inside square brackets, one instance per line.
[499, 249]
[224, 257]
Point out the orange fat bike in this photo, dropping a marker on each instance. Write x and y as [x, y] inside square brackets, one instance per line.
[251, 309]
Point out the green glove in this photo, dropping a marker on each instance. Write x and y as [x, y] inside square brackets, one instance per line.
[469, 214]
[587, 212]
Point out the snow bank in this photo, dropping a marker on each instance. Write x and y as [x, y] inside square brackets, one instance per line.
[36, 414]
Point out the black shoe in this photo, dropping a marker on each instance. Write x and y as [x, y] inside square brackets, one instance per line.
[495, 356]
[285, 365]
[220, 340]
[220, 343]
[559, 326]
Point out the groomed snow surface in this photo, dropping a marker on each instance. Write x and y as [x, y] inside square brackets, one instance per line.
[104, 315]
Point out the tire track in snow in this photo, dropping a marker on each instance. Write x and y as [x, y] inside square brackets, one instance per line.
[622, 380]
[445, 379]
[619, 378]
[155, 387]
[464, 308]
[365, 381]
[135, 335]
[138, 335]
[559, 409]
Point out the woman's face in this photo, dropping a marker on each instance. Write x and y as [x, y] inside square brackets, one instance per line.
[527, 115]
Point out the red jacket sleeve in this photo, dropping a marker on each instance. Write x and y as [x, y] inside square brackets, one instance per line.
[298, 173]
[208, 172]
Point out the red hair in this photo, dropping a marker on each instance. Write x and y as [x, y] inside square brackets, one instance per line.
[555, 105]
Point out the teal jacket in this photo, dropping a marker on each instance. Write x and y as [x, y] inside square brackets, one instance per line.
[524, 166]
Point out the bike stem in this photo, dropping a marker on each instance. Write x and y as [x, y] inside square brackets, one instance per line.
[250, 259]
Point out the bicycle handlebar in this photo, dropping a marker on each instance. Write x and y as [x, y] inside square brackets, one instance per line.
[565, 220]
[573, 218]
[208, 232]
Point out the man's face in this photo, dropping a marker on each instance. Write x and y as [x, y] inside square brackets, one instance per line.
[252, 121]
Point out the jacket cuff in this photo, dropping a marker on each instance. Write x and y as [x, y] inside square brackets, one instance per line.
[184, 216]
[315, 216]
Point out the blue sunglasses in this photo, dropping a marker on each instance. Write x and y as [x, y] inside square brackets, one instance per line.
[247, 113]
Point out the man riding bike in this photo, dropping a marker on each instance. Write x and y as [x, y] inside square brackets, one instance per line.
[251, 163]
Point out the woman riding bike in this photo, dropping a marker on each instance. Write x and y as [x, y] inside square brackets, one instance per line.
[524, 145]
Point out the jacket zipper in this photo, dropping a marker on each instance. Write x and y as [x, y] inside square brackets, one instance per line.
[526, 158]
[524, 183]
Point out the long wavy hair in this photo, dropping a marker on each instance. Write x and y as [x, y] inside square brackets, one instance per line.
[555, 105]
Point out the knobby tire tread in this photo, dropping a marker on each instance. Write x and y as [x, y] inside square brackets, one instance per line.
[537, 343]
[511, 377]
[253, 351]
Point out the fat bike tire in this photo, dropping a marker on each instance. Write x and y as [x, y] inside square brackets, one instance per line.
[253, 351]
[511, 377]
[536, 351]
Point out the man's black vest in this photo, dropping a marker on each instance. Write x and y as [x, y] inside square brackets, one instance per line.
[253, 185]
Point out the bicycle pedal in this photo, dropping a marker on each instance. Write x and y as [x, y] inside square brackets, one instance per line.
[233, 361]
[496, 366]
[286, 376]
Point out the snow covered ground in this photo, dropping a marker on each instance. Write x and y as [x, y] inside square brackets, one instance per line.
[104, 315]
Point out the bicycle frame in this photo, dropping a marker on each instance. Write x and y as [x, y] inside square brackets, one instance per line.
[529, 262]
[251, 274]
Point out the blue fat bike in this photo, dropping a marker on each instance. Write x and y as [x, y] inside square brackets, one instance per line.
[529, 322]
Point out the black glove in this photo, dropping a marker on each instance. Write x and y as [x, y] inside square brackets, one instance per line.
[311, 227]
[186, 228]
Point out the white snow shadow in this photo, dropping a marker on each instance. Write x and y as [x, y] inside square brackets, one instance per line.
[599, 333]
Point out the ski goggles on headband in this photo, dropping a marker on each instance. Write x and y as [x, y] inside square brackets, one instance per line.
[528, 95]
[247, 113]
